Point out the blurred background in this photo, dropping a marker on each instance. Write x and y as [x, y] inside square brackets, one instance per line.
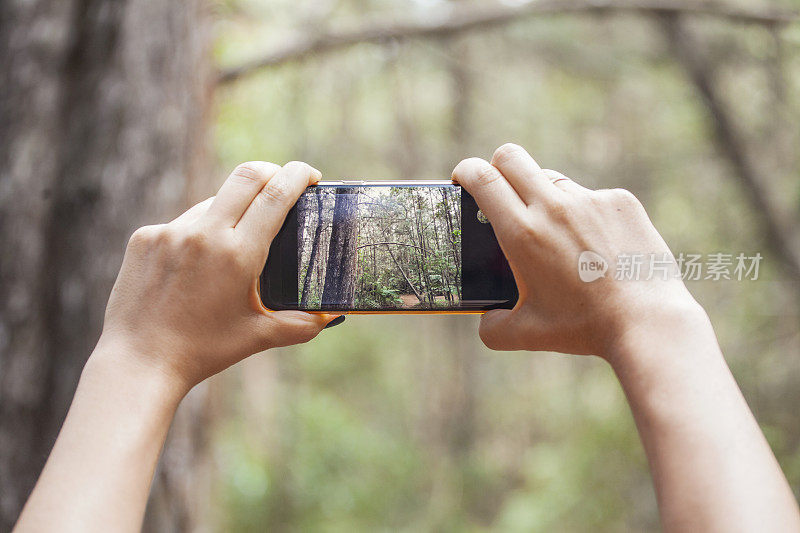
[115, 114]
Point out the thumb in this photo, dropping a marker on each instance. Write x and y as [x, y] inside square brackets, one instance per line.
[509, 329]
[284, 328]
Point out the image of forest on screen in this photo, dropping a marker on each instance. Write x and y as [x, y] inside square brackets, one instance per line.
[374, 247]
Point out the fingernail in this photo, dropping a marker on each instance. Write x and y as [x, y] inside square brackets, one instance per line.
[335, 322]
[317, 175]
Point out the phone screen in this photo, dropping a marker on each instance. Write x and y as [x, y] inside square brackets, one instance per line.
[376, 247]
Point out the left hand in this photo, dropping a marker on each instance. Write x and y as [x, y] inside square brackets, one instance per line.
[186, 301]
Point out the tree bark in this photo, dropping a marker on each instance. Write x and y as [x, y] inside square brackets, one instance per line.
[102, 114]
[340, 273]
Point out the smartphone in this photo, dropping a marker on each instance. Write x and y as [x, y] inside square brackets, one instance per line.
[379, 246]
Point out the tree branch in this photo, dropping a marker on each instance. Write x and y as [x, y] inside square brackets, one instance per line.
[380, 243]
[731, 145]
[405, 276]
[448, 22]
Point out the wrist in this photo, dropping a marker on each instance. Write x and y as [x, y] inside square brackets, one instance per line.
[674, 322]
[117, 362]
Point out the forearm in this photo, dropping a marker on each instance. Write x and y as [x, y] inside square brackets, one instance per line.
[712, 468]
[98, 475]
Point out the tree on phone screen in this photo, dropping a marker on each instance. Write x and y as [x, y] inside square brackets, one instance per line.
[340, 276]
[315, 246]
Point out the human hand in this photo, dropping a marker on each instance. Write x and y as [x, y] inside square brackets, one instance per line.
[543, 221]
[186, 301]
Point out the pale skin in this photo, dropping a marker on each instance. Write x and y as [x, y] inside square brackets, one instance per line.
[712, 468]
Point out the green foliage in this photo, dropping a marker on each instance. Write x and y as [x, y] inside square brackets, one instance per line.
[378, 294]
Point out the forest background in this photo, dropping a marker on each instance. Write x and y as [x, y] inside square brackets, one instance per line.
[119, 113]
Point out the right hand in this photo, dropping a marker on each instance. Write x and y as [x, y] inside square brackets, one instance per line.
[542, 227]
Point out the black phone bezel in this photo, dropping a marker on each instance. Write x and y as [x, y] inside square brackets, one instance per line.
[278, 281]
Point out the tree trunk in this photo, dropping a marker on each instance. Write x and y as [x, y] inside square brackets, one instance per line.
[101, 121]
[455, 252]
[312, 260]
[341, 268]
[443, 269]
[423, 255]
